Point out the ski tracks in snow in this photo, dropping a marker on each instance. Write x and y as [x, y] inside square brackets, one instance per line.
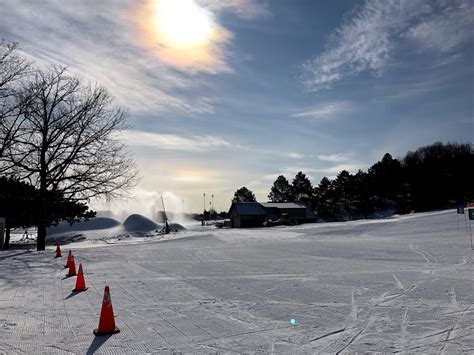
[430, 260]
[399, 283]
[386, 297]
[450, 334]
[355, 326]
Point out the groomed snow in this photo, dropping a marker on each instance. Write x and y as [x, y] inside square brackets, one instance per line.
[397, 285]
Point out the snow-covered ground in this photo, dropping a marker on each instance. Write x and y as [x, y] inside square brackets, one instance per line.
[397, 285]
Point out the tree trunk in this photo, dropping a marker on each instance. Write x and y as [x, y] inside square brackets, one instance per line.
[41, 233]
[6, 244]
[41, 236]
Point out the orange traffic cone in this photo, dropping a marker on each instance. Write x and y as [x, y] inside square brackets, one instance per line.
[106, 321]
[68, 261]
[72, 268]
[58, 251]
[80, 281]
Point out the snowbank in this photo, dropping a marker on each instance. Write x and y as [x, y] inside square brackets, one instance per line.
[91, 224]
[139, 223]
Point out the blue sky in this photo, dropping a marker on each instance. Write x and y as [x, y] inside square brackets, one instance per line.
[228, 93]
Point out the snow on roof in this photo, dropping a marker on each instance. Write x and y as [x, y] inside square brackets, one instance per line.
[249, 208]
[281, 205]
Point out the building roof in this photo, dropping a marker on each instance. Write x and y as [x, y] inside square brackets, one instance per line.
[248, 208]
[310, 214]
[281, 205]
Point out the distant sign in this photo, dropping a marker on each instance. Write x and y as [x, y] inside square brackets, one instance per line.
[460, 210]
[470, 211]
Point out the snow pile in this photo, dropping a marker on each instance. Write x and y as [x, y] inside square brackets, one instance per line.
[139, 223]
[177, 227]
[104, 230]
[91, 224]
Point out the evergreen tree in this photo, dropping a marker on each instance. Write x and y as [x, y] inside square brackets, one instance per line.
[20, 201]
[342, 184]
[386, 178]
[432, 177]
[244, 195]
[361, 197]
[438, 176]
[302, 190]
[321, 198]
[281, 190]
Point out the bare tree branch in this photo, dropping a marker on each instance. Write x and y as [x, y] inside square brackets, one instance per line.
[67, 140]
[13, 68]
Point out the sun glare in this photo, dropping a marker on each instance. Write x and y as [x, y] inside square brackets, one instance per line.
[182, 23]
[182, 34]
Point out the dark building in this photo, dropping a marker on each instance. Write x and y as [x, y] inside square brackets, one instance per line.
[247, 215]
[253, 214]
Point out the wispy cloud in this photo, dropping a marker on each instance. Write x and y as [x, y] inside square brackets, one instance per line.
[294, 155]
[270, 177]
[98, 40]
[352, 167]
[247, 9]
[316, 171]
[335, 158]
[325, 110]
[447, 30]
[367, 39]
[174, 142]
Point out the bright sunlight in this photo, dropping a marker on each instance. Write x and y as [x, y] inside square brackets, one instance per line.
[181, 34]
[182, 23]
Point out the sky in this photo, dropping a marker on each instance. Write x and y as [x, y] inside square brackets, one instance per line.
[229, 93]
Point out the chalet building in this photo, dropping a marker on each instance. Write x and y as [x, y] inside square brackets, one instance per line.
[254, 214]
[247, 215]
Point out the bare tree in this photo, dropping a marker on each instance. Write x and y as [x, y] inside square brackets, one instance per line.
[68, 142]
[13, 68]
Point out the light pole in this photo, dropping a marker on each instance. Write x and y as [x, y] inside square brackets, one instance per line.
[212, 205]
[204, 212]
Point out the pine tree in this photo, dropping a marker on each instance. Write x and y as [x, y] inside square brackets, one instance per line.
[343, 193]
[320, 199]
[302, 190]
[243, 195]
[19, 202]
[361, 197]
[281, 190]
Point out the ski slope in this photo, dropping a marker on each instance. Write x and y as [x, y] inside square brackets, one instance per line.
[396, 285]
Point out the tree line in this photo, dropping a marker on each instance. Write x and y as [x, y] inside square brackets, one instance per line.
[59, 145]
[433, 177]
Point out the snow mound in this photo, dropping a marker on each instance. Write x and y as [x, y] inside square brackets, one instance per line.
[139, 223]
[177, 227]
[91, 224]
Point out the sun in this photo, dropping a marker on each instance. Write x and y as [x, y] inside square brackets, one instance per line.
[182, 34]
[182, 23]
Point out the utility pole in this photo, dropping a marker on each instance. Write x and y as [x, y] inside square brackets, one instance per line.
[212, 205]
[204, 212]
